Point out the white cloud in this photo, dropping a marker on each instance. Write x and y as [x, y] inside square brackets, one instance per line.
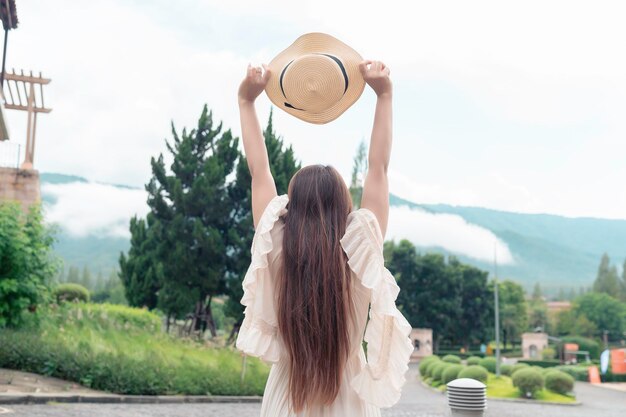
[101, 210]
[540, 79]
[447, 231]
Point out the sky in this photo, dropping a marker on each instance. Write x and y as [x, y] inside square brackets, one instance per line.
[517, 106]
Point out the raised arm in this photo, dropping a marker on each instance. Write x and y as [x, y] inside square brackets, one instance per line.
[376, 186]
[263, 186]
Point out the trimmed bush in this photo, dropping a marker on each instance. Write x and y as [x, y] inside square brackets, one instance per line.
[437, 372]
[475, 372]
[70, 292]
[579, 373]
[430, 366]
[506, 369]
[451, 373]
[559, 381]
[451, 359]
[424, 362]
[528, 381]
[489, 364]
[473, 360]
[519, 366]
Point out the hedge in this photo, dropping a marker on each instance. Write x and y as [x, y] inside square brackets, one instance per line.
[559, 381]
[475, 372]
[424, 363]
[528, 381]
[489, 364]
[451, 359]
[579, 373]
[70, 292]
[438, 369]
[540, 363]
[451, 373]
[430, 366]
[506, 369]
[473, 360]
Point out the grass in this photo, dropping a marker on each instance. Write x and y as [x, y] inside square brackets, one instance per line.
[122, 349]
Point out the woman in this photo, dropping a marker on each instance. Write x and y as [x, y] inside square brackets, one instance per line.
[316, 268]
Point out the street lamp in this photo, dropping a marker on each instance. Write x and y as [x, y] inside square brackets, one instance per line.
[497, 307]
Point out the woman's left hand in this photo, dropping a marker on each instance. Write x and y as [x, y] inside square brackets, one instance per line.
[254, 83]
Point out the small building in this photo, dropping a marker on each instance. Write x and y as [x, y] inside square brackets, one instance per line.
[422, 343]
[533, 344]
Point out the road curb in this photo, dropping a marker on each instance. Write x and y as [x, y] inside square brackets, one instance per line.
[126, 399]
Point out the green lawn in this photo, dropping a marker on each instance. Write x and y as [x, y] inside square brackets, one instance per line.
[122, 349]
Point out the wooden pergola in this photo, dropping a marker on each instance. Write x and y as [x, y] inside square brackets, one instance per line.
[25, 92]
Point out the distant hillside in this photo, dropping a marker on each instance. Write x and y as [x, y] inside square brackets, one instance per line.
[553, 250]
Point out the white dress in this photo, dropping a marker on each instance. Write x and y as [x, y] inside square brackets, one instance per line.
[368, 384]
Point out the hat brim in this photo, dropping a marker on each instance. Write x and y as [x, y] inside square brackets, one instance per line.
[317, 43]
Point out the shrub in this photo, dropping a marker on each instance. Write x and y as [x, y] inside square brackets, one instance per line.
[424, 362]
[473, 360]
[546, 363]
[579, 373]
[451, 373]
[489, 364]
[430, 366]
[559, 381]
[71, 292]
[475, 372]
[518, 366]
[506, 369]
[438, 370]
[528, 381]
[451, 359]
[548, 353]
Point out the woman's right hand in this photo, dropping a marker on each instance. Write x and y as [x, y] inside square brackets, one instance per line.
[376, 75]
[254, 83]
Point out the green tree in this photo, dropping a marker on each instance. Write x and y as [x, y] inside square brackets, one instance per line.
[513, 316]
[607, 280]
[475, 320]
[359, 170]
[141, 272]
[604, 311]
[537, 294]
[73, 275]
[283, 166]
[86, 280]
[423, 279]
[192, 208]
[27, 264]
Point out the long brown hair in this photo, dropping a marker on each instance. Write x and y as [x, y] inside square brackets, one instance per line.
[314, 304]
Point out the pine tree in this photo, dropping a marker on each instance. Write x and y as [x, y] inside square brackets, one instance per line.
[537, 294]
[73, 275]
[283, 166]
[141, 272]
[359, 169]
[607, 280]
[192, 213]
[85, 279]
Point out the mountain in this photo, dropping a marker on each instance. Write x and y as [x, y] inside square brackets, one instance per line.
[552, 250]
[556, 251]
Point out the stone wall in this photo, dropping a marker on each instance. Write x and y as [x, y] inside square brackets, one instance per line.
[20, 185]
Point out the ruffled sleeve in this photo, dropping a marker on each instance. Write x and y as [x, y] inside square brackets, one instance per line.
[389, 348]
[258, 333]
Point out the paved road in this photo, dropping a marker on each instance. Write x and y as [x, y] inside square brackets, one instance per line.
[416, 401]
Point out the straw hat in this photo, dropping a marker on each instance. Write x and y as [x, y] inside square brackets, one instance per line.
[315, 79]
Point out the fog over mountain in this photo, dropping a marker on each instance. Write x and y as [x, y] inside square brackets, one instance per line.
[556, 251]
